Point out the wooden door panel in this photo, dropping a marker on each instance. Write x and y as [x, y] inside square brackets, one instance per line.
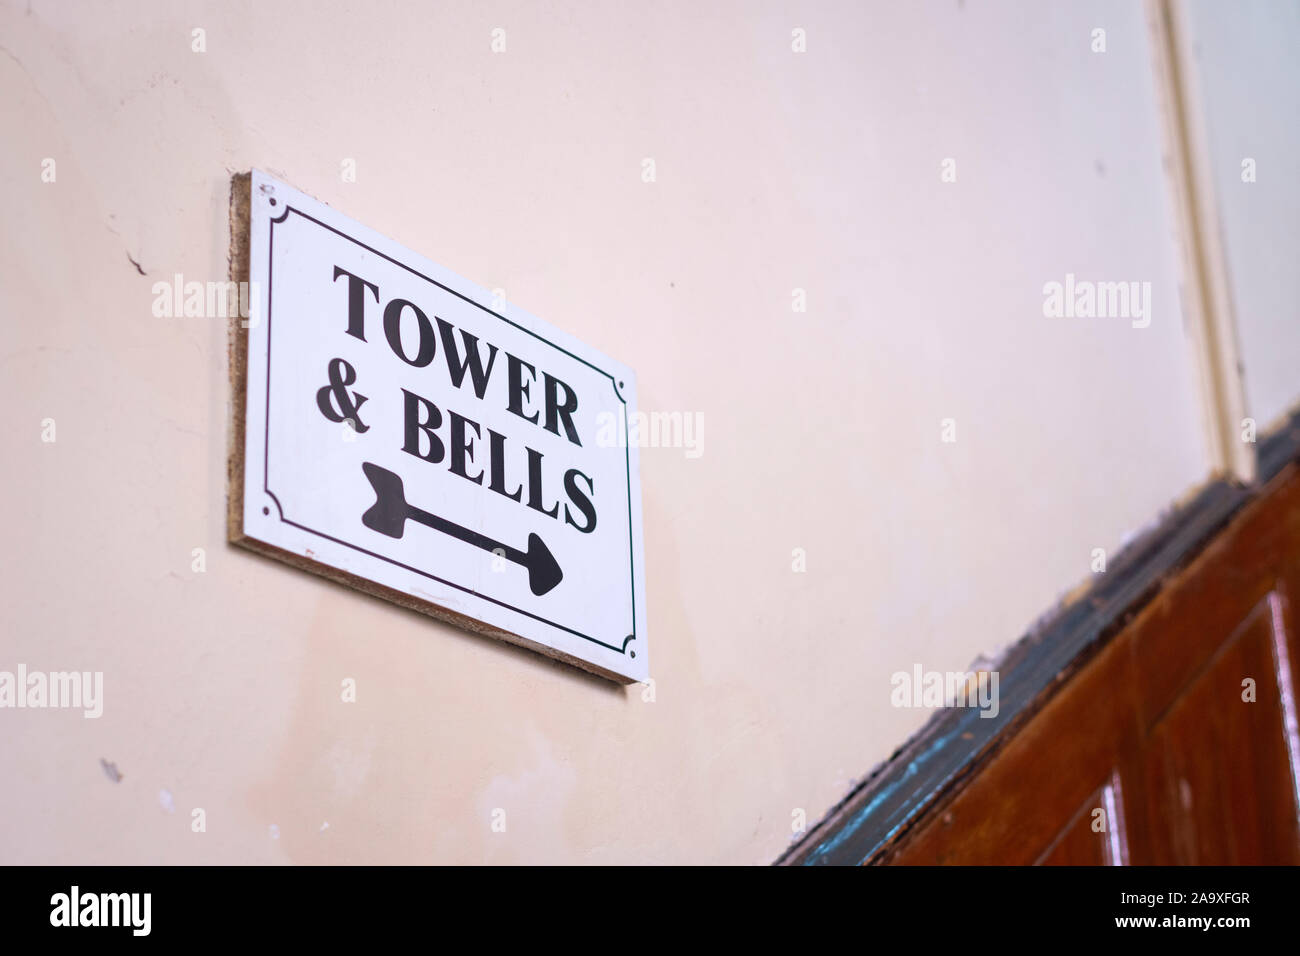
[1018, 806]
[1094, 837]
[1220, 786]
[1154, 726]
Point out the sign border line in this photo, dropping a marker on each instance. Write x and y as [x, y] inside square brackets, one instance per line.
[266, 450]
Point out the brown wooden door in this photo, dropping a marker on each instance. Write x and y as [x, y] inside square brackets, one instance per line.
[1177, 743]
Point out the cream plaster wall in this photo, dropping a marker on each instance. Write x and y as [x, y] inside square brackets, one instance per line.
[522, 170]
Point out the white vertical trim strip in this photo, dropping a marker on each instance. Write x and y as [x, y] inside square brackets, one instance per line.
[1290, 721]
[1117, 835]
[1207, 293]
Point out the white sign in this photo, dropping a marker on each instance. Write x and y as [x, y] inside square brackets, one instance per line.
[408, 430]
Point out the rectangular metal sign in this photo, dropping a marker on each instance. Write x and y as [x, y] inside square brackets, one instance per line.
[406, 433]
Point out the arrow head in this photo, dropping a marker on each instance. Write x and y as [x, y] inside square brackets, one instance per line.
[543, 570]
[389, 512]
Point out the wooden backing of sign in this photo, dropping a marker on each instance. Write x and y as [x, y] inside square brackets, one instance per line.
[240, 232]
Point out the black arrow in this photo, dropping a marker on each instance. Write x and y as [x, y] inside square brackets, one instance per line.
[390, 512]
